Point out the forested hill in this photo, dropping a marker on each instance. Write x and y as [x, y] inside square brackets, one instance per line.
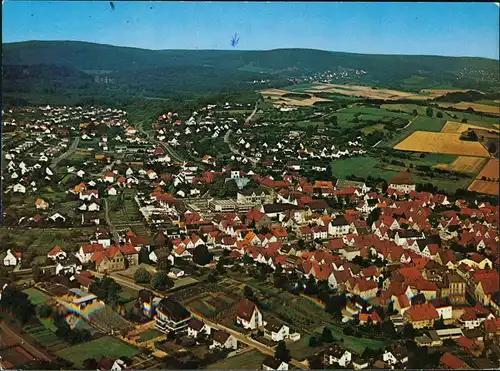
[119, 70]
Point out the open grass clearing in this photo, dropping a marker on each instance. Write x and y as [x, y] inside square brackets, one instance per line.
[36, 296]
[106, 346]
[359, 166]
[251, 360]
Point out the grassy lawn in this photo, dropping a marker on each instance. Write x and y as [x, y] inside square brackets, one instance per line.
[105, 346]
[359, 166]
[301, 349]
[149, 334]
[372, 128]
[247, 361]
[424, 123]
[36, 296]
[438, 158]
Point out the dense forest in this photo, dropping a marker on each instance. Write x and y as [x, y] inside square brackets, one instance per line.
[70, 71]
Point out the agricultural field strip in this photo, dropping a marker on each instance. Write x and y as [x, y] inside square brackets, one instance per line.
[447, 143]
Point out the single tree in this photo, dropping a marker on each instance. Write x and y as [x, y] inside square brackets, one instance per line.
[282, 353]
[201, 255]
[141, 275]
[415, 113]
[327, 335]
[90, 364]
[439, 115]
[44, 310]
[429, 111]
[492, 148]
[161, 281]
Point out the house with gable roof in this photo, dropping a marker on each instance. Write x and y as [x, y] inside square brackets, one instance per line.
[249, 316]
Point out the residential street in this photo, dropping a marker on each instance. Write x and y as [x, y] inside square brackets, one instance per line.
[116, 236]
[70, 150]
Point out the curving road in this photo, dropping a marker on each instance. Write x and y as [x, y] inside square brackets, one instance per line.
[234, 150]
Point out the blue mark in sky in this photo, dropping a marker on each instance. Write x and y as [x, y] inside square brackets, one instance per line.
[234, 40]
[112, 5]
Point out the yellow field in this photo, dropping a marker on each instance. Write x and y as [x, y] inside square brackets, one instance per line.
[365, 92]
[299, 102]
[483, 186]
[278, 92]
[464, 164]
[494, 110]
[446, 143]
[459, 128]
[490, 170]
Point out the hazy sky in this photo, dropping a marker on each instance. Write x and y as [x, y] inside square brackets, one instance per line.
[458, 29]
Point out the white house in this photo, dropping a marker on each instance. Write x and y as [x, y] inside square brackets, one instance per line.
[19, 188]
[392, 357]
[277, 332]
[335, 354]
[196, 327]
[249, 316]
[271, 363]
[112, 191]
[56, 253]
[224, 340]
[12, 258]
[338, 227]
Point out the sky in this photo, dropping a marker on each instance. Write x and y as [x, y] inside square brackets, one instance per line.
[454, 29]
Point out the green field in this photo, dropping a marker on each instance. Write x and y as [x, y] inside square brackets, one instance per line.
[251, 360]
[427, 124]
[105, 346]
[150, 334]
[359, 166]
[36, 296]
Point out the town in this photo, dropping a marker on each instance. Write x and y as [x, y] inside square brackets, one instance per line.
[217, 239]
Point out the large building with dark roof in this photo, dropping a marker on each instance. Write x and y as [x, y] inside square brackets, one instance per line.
[171, 316]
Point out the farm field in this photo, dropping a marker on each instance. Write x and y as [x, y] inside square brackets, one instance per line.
[438, 92]
[427, 124]
[464, 164]
[478, 107]
[299, 102]
[105, 346]
[366, 91]
[459, 128]
[372, 128]
[359, 166]
[490, 170]
[37, 296]
[251, 360]
[447, 143]
[484, 186]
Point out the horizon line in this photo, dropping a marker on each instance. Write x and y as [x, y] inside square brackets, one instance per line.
[252, 50]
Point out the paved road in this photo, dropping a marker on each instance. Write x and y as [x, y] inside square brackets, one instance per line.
[239, 336]
[174, 155]
[25, 343]
[234, 150]
[116, 236]
[70, 150]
